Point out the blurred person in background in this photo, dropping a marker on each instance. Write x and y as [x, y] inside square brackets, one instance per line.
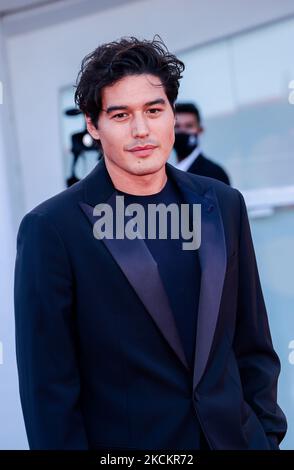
[188, 129]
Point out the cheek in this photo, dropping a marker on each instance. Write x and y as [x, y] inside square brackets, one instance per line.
[168, 131]
[165, 129]
[113, 138]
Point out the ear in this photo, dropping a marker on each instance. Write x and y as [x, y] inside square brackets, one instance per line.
[93, 131]
[200, 130]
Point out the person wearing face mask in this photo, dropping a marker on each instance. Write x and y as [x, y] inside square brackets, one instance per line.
[188, 127]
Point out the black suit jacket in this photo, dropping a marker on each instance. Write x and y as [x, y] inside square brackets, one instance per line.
[99, 357]
[203, 166]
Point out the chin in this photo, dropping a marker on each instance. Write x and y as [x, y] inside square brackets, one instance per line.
[144, 167]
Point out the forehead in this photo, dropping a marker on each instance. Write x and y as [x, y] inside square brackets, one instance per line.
[186, 118]
[133, 90]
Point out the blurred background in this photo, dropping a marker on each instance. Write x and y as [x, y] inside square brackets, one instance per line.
[239, 71]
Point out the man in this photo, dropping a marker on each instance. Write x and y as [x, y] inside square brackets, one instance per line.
[190, 157]
[131, 342]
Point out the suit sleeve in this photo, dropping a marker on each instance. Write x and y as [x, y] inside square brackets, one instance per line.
[49, 379]
[258, 363]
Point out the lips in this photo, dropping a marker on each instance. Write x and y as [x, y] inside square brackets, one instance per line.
[144, 147]
[142, 150]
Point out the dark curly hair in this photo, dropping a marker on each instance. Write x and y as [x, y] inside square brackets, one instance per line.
[128, 56]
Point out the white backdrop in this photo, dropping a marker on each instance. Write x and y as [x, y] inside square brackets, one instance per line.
[42, 54]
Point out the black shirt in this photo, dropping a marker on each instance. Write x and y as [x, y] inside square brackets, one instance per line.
[179, 269]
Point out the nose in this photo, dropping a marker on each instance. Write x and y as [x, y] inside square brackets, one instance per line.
[140, 127]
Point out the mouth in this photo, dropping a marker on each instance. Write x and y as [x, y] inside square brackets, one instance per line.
[142, 150]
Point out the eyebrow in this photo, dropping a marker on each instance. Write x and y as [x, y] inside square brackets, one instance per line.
[110, 109]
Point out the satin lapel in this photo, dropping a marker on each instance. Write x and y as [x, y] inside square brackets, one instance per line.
[139, 267]
[212, 258]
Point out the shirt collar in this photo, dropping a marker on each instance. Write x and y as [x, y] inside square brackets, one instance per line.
[189, 160]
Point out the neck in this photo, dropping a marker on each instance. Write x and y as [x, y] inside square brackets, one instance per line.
[139, 185]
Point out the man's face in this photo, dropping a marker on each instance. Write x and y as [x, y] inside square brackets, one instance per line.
[187, 123]
[135, 126]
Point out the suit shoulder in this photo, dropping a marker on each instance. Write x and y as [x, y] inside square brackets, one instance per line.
[216, 170]
[59, 207]
[212, 164]
[228, 197]
[207, 181]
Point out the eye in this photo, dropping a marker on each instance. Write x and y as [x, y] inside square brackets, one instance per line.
[154, 111]
[119, 116]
